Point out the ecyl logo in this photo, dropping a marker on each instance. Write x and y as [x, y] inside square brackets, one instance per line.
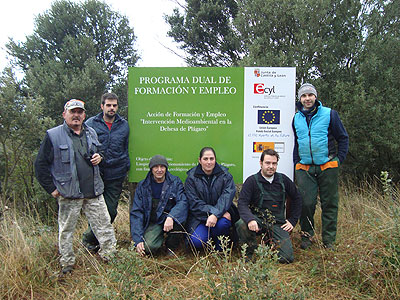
[260, 89]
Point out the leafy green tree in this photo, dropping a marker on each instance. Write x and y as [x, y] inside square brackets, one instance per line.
[318, 37]
[206, 33]
[22, 126]
[370, 108]
[349, 49]
[77, 50]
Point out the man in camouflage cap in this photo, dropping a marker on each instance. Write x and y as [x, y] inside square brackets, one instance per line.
[67, 168]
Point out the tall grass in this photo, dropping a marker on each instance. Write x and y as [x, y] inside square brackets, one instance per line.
[365, 264]
[27, 255]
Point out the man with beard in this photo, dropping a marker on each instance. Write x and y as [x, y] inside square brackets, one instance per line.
[67, 167]
[262, 208]
[113, 133]
[321, 146]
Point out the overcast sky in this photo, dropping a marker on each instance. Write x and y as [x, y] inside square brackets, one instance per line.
[146, 18]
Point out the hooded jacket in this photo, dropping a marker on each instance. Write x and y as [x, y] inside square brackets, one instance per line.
[205, 199]
[172, 204]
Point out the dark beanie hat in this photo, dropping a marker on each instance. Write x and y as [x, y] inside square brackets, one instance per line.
[158, 160]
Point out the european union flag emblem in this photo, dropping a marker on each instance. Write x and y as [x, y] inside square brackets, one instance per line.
[269, 116]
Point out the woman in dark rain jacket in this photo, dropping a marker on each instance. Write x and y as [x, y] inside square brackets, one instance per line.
[210, 190]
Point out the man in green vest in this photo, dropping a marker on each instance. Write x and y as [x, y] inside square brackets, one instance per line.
[262, 208]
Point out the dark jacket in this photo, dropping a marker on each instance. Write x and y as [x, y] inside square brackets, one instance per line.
[334, 131]
[172, 204]
[205, 200]
[114, 145]
[250, 196]
[55, 164]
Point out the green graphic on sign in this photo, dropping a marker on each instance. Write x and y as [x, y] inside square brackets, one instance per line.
[177, 111]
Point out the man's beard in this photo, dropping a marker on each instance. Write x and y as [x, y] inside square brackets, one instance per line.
[110, 116]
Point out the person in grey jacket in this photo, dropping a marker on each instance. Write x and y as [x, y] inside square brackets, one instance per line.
[113, 134]
[159, 209]
[67, 168]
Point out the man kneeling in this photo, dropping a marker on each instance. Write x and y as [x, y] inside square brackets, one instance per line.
[159, 207]
[264, 195]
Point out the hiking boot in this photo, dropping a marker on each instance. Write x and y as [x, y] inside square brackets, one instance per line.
[91, 248]
[305, 243]
[248, 258]
[170, 253]
[282, 260]
[329, 246]
[67, 270]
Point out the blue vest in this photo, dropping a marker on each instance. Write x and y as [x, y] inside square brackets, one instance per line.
[63, 168]
[313, 138]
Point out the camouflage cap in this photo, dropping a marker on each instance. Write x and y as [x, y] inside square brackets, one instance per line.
[74, 103]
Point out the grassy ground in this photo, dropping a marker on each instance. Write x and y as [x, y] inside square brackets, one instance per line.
[365, 264]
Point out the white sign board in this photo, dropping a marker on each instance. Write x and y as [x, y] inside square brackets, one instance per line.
[269, 107]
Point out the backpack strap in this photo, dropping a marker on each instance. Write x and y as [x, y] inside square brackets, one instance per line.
[261, 190]
[280, 178]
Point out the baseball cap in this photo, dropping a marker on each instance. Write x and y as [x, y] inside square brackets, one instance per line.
[74, 103]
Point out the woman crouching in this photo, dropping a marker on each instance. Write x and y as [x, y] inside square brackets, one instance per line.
[210, 190]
